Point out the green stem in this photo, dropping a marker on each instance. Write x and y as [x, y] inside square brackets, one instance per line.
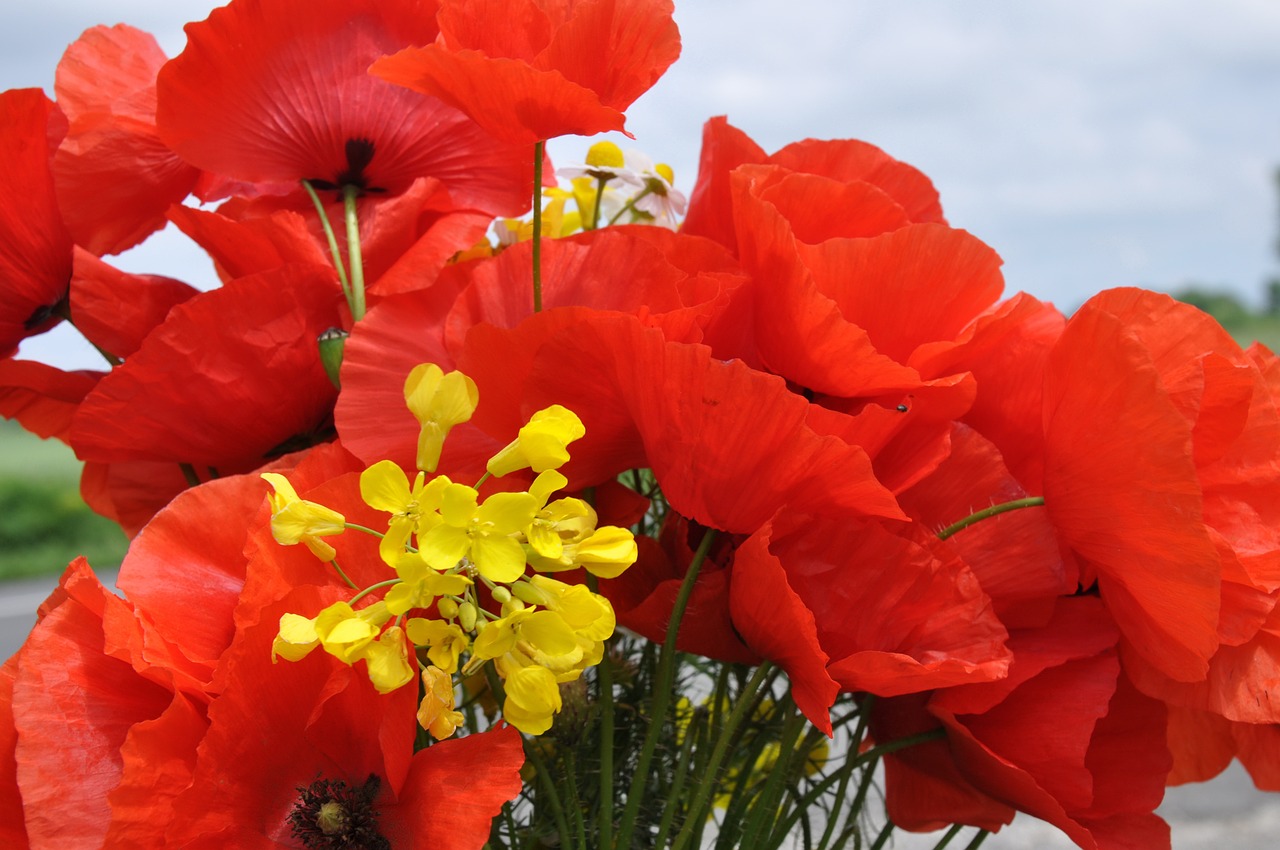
[883, 837]
[333, 242]
[349, 196]
[604, 674]
[765, 810]
[662, 691]
[977, 840]
[875, 753]
[946, 839]
[370, 589]
[693, 733]
[987, 513]
[537, 226]
[746, 702]
[365, 529]
[351, 584]
[575, 799]
[631, 205]
[601, 182]
[548, 788]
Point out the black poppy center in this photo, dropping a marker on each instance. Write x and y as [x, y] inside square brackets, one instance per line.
[359, 153]
[332, 815]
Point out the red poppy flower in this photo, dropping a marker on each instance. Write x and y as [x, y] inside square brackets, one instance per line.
[728, 445]
[849, 161]
[278, 92]
[285, 738]
[1167, 504]
[249, 380]
[74, 701]
[414, 233]
[116, 310]
[35, 248]
[1062, 738]
[41, 398]
[558, 68]
[840, 309]
[115, 178]
[674, 282]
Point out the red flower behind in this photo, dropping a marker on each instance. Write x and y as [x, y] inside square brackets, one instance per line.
[35, 248]
[271, 93]
[115, 178]
[556, 69]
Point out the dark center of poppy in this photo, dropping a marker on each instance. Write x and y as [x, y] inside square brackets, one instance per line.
[359, 154]
[332, 815]
[47, 315]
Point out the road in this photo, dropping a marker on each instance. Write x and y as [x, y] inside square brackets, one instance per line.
[1225, 814]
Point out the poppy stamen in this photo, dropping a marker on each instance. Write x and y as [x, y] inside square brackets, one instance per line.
[359, 153]
[330, 814]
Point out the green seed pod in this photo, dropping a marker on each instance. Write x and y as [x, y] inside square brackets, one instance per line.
[331, 343]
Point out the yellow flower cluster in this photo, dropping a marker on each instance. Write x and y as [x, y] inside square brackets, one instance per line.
[462, 586]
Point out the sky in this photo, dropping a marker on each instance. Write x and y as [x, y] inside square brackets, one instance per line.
[1092, 143]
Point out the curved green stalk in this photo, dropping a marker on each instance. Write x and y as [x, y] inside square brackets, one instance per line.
[332, 240]
[987, 513]
[354, 257]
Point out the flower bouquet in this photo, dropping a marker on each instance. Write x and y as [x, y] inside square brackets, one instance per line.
[490, 504]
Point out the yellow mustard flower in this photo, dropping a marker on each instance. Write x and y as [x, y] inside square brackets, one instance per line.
[484, 534]
[345, 632]
[563, 521]
[296, 638]
[541, 444]
[413, 510]
[295, 520]
[436, 713]
[420, 585]
[438, 400]
[445, 642]
[533, 698]
[387, 659]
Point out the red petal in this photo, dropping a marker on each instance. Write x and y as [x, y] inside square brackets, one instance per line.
[774, 622]
[35, 253]
[724, 148]
[1121, 488]
[456, 788]
[273, 92]
[43, 399]
[114, 176]
[229, 378]
[116, 310]
[73, 706]
[511, 100]
[158, 758]
[13, 830]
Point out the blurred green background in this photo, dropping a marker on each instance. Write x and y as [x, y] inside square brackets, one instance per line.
[44, 523]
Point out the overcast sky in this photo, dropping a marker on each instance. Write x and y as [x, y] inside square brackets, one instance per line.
[1091, 143]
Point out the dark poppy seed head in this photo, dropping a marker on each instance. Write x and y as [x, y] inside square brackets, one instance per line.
[359, 153]
[331, 815]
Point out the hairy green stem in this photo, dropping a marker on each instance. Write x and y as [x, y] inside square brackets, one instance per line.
[987, 513]
[662, 691]
[538, 149]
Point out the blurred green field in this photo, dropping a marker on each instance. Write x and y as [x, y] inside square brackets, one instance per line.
[44, 524]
